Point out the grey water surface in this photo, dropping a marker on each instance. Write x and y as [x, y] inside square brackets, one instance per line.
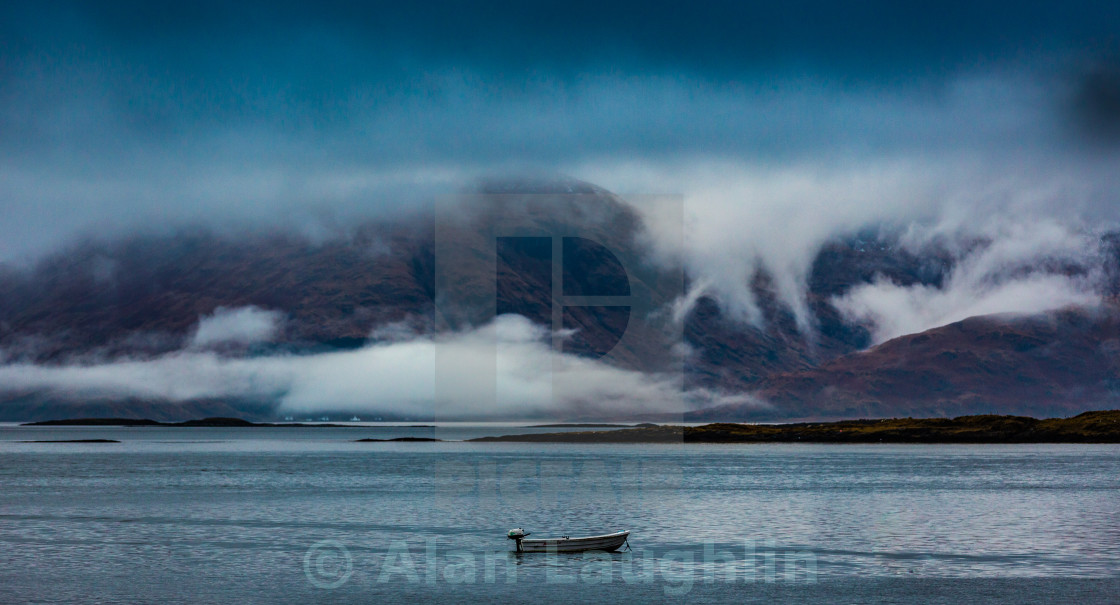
[303, 515]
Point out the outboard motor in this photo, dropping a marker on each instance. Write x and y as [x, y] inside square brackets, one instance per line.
[517, 535]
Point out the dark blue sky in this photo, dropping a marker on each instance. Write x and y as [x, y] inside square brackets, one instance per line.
[111, 109]
[165, 72]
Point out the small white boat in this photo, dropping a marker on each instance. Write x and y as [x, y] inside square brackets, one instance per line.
[607, 542]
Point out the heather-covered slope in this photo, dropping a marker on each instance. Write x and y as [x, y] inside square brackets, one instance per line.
[1053, 364]
[144, 294]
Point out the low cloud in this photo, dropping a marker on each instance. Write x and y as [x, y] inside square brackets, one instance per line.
[506, 369]
[742, 218]
[1025, 269]
[241, 326]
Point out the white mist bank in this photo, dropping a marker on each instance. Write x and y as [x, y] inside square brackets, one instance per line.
[505, 369]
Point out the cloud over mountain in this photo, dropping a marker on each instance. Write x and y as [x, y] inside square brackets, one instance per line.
[241, 326]
[505, 369]
[959, 157]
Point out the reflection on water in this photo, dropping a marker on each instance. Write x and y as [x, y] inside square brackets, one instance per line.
[230, 514]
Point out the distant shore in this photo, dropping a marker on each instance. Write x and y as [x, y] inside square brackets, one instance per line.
[71, 441]
[1089, 427]
[200, 423]
[589, 425]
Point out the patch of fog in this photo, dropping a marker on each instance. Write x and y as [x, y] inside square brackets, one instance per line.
[236, 326]
[1023, 268]
[505, 369]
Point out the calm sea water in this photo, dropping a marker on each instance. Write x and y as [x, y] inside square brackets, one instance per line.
[307, 515]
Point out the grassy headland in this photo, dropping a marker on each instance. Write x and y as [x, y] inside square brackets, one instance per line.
[1089, 427]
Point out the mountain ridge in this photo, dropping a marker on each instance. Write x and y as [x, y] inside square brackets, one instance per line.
[142, 297]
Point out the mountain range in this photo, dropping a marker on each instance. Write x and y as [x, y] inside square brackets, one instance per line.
[143, 296]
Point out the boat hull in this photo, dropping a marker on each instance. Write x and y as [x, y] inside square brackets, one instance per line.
[608, 542]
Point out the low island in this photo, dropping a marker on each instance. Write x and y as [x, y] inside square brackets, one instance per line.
[405, 439]
[197, 423]
[71, 441]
